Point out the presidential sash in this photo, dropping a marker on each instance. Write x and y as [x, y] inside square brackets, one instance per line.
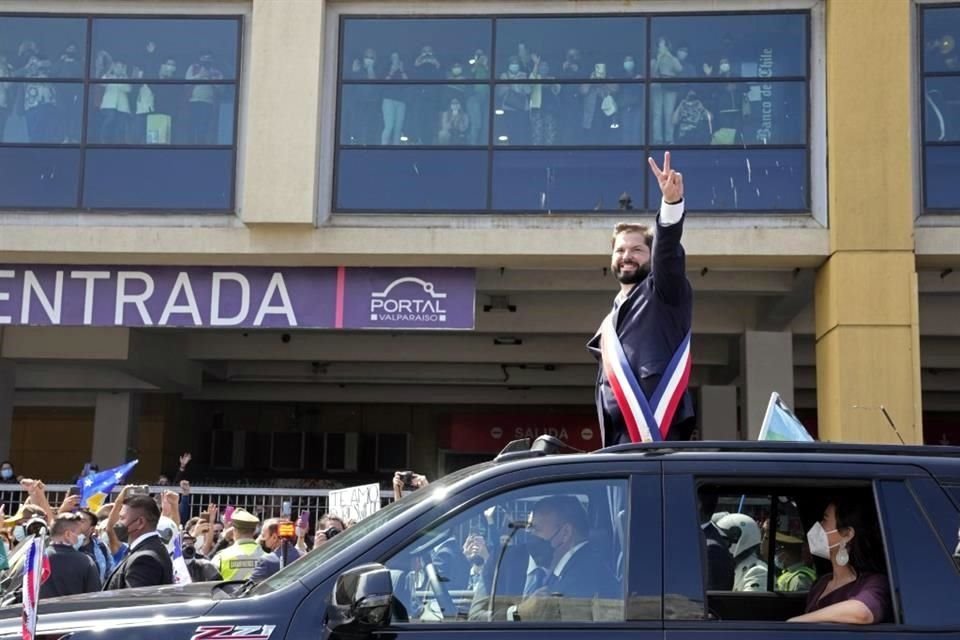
[646, 420]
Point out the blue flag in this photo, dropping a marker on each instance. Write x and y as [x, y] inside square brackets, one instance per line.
[780, 424]
[95, 488]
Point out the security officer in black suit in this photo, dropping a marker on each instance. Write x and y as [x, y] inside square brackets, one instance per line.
[147, 563]
[653, 310]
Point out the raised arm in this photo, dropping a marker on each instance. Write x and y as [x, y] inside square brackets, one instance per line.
[669, 261]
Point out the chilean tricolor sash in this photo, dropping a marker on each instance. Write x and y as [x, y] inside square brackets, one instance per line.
[646, 420]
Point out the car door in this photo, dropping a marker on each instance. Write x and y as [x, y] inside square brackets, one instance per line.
[595, 582]
[910, 544]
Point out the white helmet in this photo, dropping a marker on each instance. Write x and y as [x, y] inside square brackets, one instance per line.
[167, 529]
[742, 532]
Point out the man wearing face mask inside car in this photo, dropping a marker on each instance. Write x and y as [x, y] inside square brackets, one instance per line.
[575, 577]
[147, 562]
[71, 571]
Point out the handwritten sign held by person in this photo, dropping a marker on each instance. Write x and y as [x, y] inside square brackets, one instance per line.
[355, 503]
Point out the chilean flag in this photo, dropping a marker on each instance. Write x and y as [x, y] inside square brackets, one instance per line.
[35, 571]
[646, 420]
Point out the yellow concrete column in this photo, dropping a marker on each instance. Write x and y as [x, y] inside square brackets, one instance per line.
[866, 292]
[281, 132]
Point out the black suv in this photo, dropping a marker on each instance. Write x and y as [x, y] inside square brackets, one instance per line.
[460, 556]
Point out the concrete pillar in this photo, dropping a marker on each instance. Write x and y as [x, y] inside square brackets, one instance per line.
[717, 417]
[286, 35]
[7, 379]
[766, 360]
[114, 428]
[866, 293]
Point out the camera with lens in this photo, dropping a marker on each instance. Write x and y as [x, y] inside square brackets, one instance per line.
[407, 478]
[329, 532]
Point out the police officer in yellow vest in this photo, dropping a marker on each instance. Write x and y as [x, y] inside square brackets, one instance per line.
[794, 574]
[237, 561]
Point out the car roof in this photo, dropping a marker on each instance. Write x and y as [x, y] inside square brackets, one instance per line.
[942, 462]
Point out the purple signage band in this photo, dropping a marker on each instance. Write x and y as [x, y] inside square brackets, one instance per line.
[242, 297]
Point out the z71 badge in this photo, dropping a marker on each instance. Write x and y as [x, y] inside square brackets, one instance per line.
[221, 632]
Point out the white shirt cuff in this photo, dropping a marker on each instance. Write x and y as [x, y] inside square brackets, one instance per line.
[670, 213]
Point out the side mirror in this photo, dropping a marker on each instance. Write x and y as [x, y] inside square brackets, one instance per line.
[361, 600]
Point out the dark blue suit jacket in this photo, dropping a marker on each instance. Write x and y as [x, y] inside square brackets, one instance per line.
[651, 323]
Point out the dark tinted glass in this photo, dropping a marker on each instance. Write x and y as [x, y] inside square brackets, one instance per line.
[569, 114]
[942, 104]
[391, 451]
[543, 181]
[39, 177]
[427, 49]
[942, 167]
[41, 112]
[741, 180]
[746, 46]
[137, 113]
[941, 33]
[158, 179]
[42, 47]
[728, 113]
[161, 48]
[412, 180]
[577, 48]
[286, 451]
[425, 114]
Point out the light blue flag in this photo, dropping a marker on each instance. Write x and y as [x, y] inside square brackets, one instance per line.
[95, 488]
[779, 423]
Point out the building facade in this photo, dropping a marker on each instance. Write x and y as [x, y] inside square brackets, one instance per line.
[308, 238]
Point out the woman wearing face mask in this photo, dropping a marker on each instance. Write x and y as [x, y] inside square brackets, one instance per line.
[857, 590]
[454, 124]
[7, 473]
[394, 103]
[600, 109]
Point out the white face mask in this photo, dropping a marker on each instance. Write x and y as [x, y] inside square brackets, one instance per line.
[819, 542]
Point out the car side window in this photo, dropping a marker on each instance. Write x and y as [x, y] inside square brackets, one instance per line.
[755, 541]
[546, 552]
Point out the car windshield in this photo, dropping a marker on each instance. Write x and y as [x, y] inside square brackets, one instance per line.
[308, 563]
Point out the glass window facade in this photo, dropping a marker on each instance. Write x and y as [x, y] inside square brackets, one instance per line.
[543, 114]
[98, 112]
[940, 81]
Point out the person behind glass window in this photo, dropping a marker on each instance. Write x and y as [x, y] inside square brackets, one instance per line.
[70, 96]
[692, 121]
[362, 120]
[571, 101]
[795, 574]
[544, 105]
[427, 102]
[40, 103]
[631, 103]
[456, 89]
[115, 105]
[478, 98]
[394, 102]
[857, 590]
[204, 99]
[6, 93]
[600, 109]
[525, 57]
[454, 124]
[514, 100]
[687, 69]
[750, 572]
[663, 96]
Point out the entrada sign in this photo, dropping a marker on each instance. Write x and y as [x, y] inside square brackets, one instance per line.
[242, 297]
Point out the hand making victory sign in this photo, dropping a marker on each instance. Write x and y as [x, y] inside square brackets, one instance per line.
[671, 182]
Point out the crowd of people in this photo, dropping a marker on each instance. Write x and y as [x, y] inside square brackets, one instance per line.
[133, 100]
[607, 109]
[135, 540]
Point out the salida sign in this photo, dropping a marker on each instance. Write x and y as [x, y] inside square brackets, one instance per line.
[483, 433]
[245, 297]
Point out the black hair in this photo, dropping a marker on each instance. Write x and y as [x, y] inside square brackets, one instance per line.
[568, 510]
[65, 522]
[147, 507]
[89, 514]
[866, 548]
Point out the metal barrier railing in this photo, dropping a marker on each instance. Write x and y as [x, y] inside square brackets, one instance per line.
[262, 502]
